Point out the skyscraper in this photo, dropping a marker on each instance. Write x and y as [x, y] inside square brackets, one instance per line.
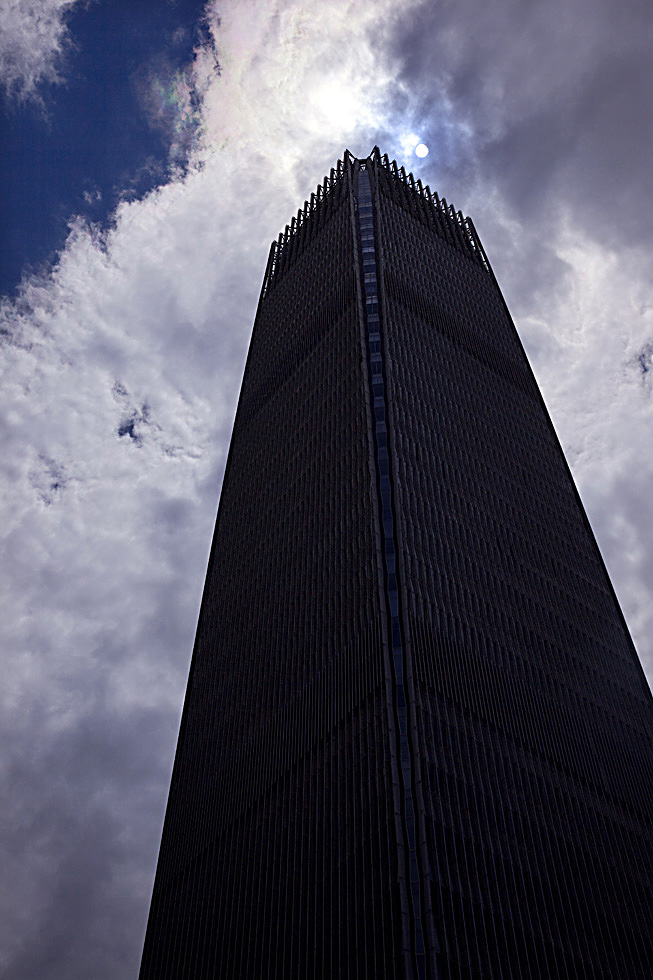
[416, 738]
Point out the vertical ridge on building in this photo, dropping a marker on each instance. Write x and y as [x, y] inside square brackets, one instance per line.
[416, 740]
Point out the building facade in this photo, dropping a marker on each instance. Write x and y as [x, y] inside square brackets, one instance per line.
[416, 741]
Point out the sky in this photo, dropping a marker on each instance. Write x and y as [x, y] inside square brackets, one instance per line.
[151, 154]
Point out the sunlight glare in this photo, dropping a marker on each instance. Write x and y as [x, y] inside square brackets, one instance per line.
[335, 106]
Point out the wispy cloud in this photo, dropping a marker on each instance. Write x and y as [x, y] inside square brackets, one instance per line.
[33, 42]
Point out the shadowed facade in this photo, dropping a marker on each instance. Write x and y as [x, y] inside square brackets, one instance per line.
[416, 741]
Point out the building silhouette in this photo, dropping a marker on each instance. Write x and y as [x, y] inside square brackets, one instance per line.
[416, 741]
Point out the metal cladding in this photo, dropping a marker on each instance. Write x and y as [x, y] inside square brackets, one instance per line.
[416, 741]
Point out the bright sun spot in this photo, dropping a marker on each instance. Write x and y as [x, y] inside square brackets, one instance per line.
[334, 106]
[410, 143]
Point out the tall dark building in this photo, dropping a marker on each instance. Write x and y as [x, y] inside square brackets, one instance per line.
[416, 739]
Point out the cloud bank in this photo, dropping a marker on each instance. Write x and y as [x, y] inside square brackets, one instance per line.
[121, 368]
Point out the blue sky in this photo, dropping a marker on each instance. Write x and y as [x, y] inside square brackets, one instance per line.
[151, 155]
[102, 133]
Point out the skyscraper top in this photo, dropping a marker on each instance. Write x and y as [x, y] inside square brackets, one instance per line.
[398, 184]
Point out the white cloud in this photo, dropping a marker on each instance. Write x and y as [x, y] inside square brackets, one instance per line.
[121, 372]
[602, 407]
[33, 40]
